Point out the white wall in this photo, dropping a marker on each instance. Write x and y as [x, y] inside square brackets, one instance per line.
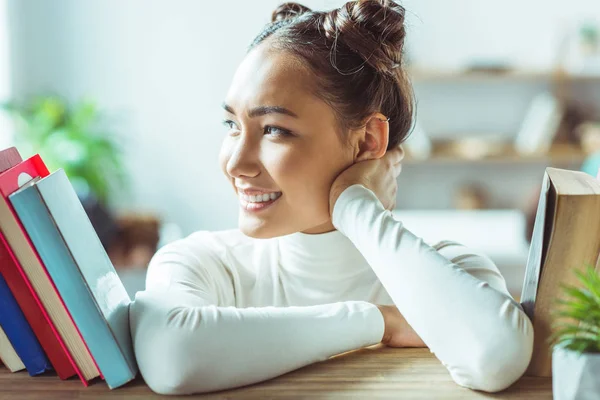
[5, 127]
[524, 32]
[163, 67]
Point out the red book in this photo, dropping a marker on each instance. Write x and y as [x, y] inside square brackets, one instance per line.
[32, 310]
[34, 314]
[33, 273]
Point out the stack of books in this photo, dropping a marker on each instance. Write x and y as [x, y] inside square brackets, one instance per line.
[62, 305]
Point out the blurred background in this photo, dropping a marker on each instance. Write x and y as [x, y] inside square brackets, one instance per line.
[126, 97]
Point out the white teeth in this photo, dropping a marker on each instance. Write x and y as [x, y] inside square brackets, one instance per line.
[259, 198]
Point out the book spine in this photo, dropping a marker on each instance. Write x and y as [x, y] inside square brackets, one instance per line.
[20, 334]
[94, 265]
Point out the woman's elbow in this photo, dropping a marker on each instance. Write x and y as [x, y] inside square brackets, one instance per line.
[501, 362]
[157, 348]
[160, 370]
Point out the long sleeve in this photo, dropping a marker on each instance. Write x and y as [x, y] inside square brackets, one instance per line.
[457, 304]
[186, 342]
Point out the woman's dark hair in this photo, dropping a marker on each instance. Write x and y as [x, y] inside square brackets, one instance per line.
[355, 52]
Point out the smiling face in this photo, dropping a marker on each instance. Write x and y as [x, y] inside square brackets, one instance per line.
[282, 146]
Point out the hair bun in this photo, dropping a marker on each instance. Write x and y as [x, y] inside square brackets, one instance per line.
[287, 11]
[374, 29]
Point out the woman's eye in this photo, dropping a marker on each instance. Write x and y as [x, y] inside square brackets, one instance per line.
[231, 125]
[277, 131]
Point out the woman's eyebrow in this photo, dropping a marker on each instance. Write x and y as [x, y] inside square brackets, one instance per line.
[263, 110]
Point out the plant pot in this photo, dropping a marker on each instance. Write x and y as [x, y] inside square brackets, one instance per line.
[575, 376]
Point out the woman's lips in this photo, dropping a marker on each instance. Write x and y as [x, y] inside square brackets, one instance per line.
[255, 191]
[255, 207]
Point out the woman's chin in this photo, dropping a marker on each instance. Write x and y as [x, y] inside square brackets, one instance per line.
[267, 228]
[256, 231]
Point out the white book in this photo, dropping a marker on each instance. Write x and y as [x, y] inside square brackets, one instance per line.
[540, 125]
[8, 355]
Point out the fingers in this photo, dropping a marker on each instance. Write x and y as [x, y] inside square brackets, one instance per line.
[397, 169]
[395, 155]
[395, 160]
[399, 151]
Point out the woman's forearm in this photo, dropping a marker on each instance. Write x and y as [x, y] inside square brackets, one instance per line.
[182, 349]
[480, 334]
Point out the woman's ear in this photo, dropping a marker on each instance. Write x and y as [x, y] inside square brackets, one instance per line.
[373, 138]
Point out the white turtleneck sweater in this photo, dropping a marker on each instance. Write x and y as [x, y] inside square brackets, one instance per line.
[222, 310]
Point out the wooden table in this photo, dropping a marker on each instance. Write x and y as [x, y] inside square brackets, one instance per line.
[376, 372]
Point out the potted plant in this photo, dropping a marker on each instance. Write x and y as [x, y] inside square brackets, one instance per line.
[72, 137]
[576, 348]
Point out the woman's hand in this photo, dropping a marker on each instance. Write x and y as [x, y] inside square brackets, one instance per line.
[378, 175]
[398, 333]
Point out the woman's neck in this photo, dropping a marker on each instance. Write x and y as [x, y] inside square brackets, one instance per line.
[323, 228]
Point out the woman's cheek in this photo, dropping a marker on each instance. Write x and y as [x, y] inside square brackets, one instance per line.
[224, 156]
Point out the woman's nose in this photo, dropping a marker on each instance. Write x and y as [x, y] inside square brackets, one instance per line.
[244, 159]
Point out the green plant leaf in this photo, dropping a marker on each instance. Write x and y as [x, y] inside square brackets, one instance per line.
[577, 317]
[68, 137]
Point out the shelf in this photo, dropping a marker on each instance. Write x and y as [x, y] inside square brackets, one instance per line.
[446, 154]
[425, 75]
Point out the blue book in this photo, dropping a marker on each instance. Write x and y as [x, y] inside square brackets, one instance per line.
[67, 243]
[19, 333]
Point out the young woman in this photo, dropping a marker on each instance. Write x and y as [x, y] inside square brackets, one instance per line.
[315, 116]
